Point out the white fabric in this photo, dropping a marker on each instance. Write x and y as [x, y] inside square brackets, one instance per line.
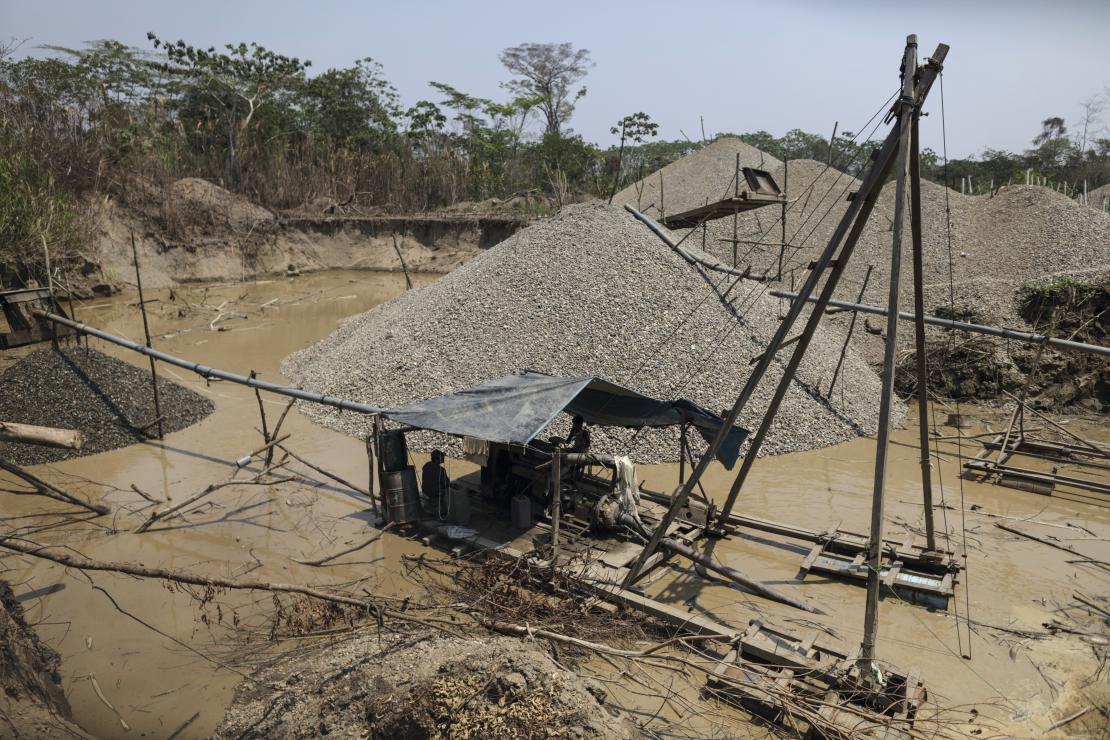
[627, 487]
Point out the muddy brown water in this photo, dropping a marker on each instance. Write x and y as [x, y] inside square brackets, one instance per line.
[155, 683]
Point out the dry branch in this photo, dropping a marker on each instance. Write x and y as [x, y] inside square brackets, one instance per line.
[321, 471]
[255, 481]
[49, 490]
[322, 561]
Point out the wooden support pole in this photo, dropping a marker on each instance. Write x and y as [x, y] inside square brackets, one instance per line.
[146, 333]
[832, 140]
[682, 453]
[785, 184]
[556, 505]
[69, 439]
[919, 331]
[370, 476]
[736, 214]
[906, 107]
[50, 289]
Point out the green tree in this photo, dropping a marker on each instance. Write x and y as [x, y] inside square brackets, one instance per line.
[635, 127]
[547, 73]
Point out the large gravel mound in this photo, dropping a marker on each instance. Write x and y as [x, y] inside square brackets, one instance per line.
[589, 291]
[1022, 235]
[107, 399]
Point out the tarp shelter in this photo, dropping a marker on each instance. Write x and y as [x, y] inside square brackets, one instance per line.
[516, 408]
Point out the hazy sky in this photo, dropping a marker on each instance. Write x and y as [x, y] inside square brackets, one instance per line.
[743, 66]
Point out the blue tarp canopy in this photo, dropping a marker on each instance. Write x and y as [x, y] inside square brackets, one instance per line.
[516, 408]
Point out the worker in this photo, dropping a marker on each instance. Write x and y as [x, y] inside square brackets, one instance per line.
[579, 438]
[434, 483]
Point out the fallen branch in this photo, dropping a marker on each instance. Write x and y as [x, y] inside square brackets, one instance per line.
[322, 561]
[81, 562]
[212, 488]
[321, 471]
[49, 490]
[1050, 543]
[145, 495]
[1070, 718]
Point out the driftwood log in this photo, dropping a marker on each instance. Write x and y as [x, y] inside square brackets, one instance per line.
[69, 439]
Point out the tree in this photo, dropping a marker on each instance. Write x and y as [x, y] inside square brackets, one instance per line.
[548, 73]
[635, 127]
[230, 89]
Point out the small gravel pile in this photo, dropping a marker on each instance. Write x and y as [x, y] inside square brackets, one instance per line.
[107, 399]
[589, 291]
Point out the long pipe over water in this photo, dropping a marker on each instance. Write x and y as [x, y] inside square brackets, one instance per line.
[210, 372]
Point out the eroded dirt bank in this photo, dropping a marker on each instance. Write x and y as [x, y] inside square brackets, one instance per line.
[195, 231]
[32, 703]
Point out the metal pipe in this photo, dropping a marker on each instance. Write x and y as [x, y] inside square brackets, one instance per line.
[1021, 336]
[689, 257]
[211, 372]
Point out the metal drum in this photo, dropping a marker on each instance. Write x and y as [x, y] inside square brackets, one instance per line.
[402, 497]
[394, 451]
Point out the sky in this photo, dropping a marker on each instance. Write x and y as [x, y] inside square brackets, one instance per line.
[730, 66]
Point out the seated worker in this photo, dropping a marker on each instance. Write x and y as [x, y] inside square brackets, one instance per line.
[434, 483]
[579, 438]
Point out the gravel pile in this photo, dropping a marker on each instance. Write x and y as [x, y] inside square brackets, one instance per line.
[589, 291]
[107, 399]
[707, 174]
[1020, 236]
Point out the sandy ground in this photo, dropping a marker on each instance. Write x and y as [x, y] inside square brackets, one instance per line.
[158, 684]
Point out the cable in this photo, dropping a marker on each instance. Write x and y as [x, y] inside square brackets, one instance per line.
[952, 307]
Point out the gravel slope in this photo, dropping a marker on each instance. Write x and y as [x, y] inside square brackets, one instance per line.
[590, 290]
[1022, 235]
[107, 399]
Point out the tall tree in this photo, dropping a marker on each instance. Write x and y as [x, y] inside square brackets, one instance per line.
[635, 127]
[547, 73]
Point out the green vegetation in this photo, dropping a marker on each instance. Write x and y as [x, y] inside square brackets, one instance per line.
[112, 119]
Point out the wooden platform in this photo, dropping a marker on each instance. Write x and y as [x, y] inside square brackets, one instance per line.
[720, 209]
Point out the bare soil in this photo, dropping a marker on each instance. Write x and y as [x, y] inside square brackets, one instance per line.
[422, 685]
[32, 703]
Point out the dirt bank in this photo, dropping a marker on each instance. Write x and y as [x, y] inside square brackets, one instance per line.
[196, 231]
[422, 685]
[32, 703]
